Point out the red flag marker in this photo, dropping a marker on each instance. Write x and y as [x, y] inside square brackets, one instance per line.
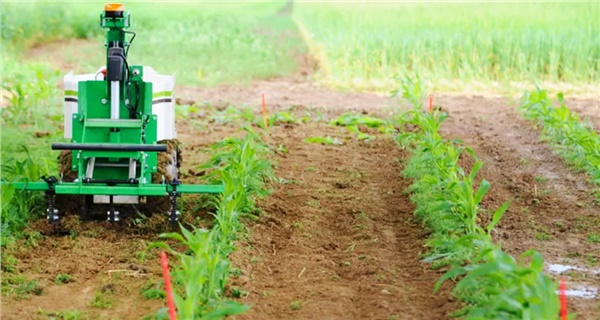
[167, 276]
[264, 112]
[562, 289]
[430, 103]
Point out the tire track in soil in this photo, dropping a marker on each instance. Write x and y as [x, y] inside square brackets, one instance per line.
[522, 169]
[341, 239]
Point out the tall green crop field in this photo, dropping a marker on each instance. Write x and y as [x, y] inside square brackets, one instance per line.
[363, 45]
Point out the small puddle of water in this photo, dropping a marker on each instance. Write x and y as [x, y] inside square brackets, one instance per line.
[586, 293]
[576, 290]
[561, 268]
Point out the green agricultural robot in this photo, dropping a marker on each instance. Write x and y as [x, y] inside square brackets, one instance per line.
[121, 126]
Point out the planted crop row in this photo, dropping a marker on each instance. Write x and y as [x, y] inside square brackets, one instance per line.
[577, 143]
[493, 285]
[203, 270]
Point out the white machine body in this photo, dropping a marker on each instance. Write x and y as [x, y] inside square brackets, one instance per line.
[162, 96]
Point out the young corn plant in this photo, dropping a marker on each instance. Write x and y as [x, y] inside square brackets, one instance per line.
[498, 287]
[574, 141]
[201, 276]
[245, 160]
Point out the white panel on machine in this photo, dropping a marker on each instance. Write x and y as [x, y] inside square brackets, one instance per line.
[163, 103]
[162, 98]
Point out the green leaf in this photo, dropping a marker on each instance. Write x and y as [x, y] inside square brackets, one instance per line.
[484, 186]
[497, 216]
[450, 274]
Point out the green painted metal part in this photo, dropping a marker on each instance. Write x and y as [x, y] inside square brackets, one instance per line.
[150, 189]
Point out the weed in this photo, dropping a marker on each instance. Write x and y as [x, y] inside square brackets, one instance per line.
[542, 236]
[362, 216]
[592, 260]
[329, 141]
[23, 290]
[296, 305]
[153, 294]
[593, 237]
[64, 315]
[239, 293]
[63, 278]
[298, 225]
[102, 300]
[314, 203]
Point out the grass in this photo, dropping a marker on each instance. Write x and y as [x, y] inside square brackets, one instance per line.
[204, 43]
[363, 46]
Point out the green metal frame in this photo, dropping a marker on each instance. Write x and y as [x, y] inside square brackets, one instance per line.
[150, 189]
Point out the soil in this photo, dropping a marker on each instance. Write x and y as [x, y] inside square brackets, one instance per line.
[339, 241]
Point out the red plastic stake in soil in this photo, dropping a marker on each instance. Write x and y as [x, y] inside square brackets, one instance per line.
[563, 299]
[167, 276]
[430, 103]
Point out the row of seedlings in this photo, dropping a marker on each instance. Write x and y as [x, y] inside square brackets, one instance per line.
[491, 283]
[202, 273]
[575, 141]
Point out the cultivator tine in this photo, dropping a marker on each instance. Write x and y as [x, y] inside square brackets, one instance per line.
[113, 214]
[51, 211]
[173, 195]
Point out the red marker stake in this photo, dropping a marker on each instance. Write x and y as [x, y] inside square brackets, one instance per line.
[264, 112]
[167, 276]
[563, 299]
[430, 103]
